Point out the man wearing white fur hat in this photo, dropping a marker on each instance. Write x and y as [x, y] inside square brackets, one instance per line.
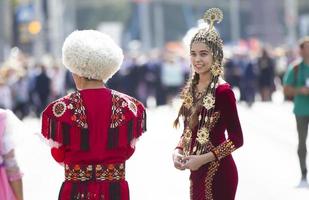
[93, 130]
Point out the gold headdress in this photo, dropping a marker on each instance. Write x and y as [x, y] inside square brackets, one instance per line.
[212, 15]
[209, 35]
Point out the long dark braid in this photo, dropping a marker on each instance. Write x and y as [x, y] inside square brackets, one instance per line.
[193, 115]
[189, 88]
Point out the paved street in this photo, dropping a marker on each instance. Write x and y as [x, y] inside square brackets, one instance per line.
[267, 163]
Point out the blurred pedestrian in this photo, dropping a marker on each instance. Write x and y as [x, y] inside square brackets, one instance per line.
[42, 89]
[172, 78]
[248, 83]
[10, 176]
[20, 94]
[5, 94]
[95, 128]
[266, 68]
[232, 73]
[296, 84]
[208, 110]
[68, 82]
[57, 85]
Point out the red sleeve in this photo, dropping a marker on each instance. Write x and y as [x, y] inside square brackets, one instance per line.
[55, 130]
[230, 116]
[51, 127]
[142, 120]
[49, 133]
[128, 120]
[48, 124]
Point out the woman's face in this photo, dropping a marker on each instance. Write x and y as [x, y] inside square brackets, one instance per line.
[201, 58]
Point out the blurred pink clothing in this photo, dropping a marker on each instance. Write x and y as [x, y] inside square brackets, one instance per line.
[6, 192]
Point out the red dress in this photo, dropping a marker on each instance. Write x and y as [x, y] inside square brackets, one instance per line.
[94, 131]
[218, 180]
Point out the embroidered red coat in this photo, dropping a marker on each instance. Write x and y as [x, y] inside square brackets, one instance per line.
[90, 127]
[218, 180]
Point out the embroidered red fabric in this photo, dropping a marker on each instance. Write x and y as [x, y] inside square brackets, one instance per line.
[103, 121]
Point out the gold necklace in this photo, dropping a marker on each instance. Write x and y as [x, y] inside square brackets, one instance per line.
[205, 119]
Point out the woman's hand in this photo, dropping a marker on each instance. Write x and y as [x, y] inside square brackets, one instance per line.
[194, 162]
[178, 160]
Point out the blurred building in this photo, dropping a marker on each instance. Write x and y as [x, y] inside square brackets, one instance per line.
[40, 26]
[5, 30]
[265, 21]
[155, 22]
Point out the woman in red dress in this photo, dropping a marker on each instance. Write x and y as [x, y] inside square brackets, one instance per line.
[93, 130]
[208, 109]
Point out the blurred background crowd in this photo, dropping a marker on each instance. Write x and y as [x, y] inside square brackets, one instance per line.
[260, 44]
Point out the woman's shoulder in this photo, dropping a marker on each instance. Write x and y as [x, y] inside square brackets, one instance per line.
[224, 89]
[223, 86]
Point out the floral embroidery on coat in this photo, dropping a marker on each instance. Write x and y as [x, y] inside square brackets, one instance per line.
[79, 112]
[119, 104]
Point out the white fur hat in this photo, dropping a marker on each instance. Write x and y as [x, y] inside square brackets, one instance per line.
[91, 54]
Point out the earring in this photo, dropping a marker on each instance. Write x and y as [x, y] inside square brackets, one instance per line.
[216, 69]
